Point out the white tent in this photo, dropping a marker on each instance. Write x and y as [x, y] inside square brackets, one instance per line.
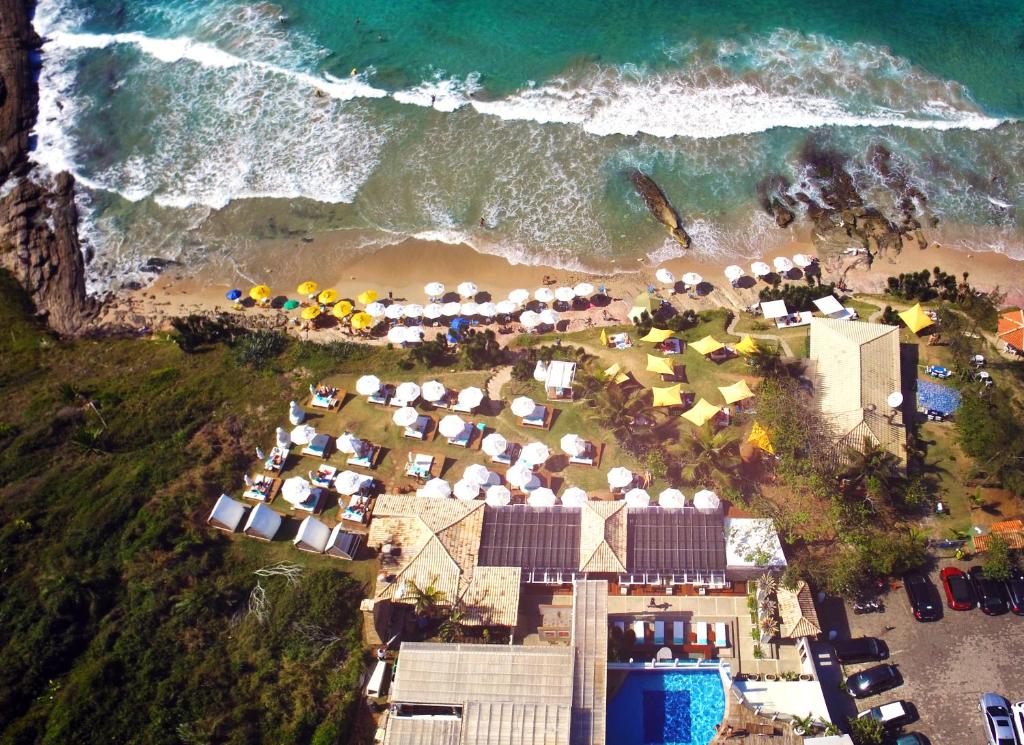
[394, 312]
[433, 289]
[558, 378]
[692, 279]
[405, 417]
[227, 514]
[782, 264]
[706, 501]
[506, 307]
[413, 310]
[529, 319]
[774, 309]
[397, 335]
[733, 272]
[498, 496]
[760, 269]
[470, 309]
[407, 392]
[348, 443]
[637, 498]
[574, 497]
[542, 497]
[303, 434]
[433, 311]
[548, 316]
[802, 260]
[487, 310]
[671, 498]
[834, 309]
[349, 482]
[375, 309]
[583, 289]
[313, 536]
[368, 385]
[343, 544]
[263, 523]
[451, 309]
[494, 444]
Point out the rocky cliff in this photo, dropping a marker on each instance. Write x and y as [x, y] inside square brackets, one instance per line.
[38, 219]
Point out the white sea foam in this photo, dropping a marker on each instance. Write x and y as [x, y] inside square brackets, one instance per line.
[441, 93]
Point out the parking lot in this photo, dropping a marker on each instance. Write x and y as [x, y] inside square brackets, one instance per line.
[946, 665]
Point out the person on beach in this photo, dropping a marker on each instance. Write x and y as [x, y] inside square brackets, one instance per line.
[433, 100]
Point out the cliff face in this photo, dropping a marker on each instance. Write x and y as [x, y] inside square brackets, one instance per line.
[38, 218]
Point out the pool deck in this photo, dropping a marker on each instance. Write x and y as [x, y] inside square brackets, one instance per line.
[743, 719]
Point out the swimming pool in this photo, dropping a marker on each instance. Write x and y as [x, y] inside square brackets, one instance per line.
[666, 708]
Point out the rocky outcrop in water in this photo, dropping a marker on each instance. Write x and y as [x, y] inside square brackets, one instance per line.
[38, 219]
[660, 207]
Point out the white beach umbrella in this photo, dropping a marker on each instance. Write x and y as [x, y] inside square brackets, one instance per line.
[760, 269]
[451, 309]
[542, 497]
[692, 279]
[397, 335]
[583, 289]
[802, 260]
[671, 498]
[451, 426]
[466, 489]
[467, 289]
[434, 289]
[283, 439]
[529, 319]
[549, 317]
[433, 391]
[348, 443]
[367, 385]
[706, 500]
[498, 495]
[574, 497]
[519, 296]
[296, 490]
[619, 477]
[476, 473]
[437, 488]
[413, 334]
[638, 498]
[665, 276]
[782, 264]
[733, 272]
[494, 444]
[407, 391]
[487, 310]
[375, 309]
[544, 294]
[405, 416]
[413, 310]
[433, 311]
[536, 453]
[303, 434]
[573, 445]
[394, 312]
[349, 482]
[470, 397]
[519, 475]
[523, 406]
[469, 309]
[565, 294]
[506, 307]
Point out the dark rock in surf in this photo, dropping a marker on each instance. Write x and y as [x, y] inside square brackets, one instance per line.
[660, 207]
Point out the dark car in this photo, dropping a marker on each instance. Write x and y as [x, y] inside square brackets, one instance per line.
[959, 594]
[922, 596]
[873, 680]
[1015, 592]
[989, 592]
[862, 649]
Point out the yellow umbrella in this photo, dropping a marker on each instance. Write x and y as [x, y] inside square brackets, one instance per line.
[916, 319]
[657, 335]
[362, 321]
[707, 345]
[747, 345]
[759, 438]
[604, 338]
[738, 391]
[259, 292]
[671, 396]
[366, 297]
[326, 297]
[342, 309]
[701, 413]
[307, 288]
[310, 313]
[660, 365]
[616, 374]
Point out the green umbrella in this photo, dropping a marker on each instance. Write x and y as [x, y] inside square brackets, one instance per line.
[291, 304]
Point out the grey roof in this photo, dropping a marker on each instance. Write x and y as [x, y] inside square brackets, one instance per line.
[516, 724]
[531, 537]
[423, 731]
[675, 541]
[590, 673]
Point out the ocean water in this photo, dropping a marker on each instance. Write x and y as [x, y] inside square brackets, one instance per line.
[196, 127]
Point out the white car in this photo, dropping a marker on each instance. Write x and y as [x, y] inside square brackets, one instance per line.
[995, 711]
[892, 715]
[1018, 719]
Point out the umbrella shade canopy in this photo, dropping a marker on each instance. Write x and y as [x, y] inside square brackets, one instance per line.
[342, 309]
[747, 345]
[519, 296]
[296, 490]
[283, 439]
[375, 309]
[466, 489]
[619, 477]
[662, 365]
[665, 277]
[542, 497]
[413, 334]
[529, 319]
[565, 294]
[432, 390]
[349, 482]
[692, 279]
[574, 497]
[467, 289]
[437, 488]
[307, 288]
[657, 336]
[583, 289]
[394, 312]
[476, 473]
[451, 426]
[549, 317]
[760, 269]
[349, 443]
[361, 321]
[802, 260]
[670, 396]
[638, 498]
[407, 391]
[233, 294]
[519, 475]
[494, 444]
[397, 335]
[706, 500]
[290, 304]
[451, 309]
[915, 318]
[707, 345]
[470, 397]
[544, 294]
[303, 434]
[733, 272]
[671, 498]
[433, 311]
[311, 312]
[506, 307]
[487, 310]
[759, 438]
[523, 406]
[366, 297]
[782, 264]
[405, 416]
[326, 297]
[701, 413]
[413, 311]
[367, 385]
[259, 292]
[738, 391]
[498, 496]
[573, 445]
[536, 453]
[434, 289]
[469, 309]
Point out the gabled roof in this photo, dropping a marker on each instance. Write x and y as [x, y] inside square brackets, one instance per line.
[312, 536]
[263, 523]
[227, 513]
[797, 611]
[492, 597]
[603, 537]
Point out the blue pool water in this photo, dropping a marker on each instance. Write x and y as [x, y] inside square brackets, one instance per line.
[666, 708]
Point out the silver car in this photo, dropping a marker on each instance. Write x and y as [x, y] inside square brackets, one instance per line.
[995, 710]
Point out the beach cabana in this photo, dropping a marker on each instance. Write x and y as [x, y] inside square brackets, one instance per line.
[657, 336]
[227, 514]
[701, 413]
[707, 345]
[344, 544]
[915, 318]
[1011, 331]
[759, 438]
[772, 309]
[670, 396]
[746, 345]
[643, 303]
[558, 380]
[738, 391]
[313, 536]
[263, 523]
[832, 308]
[661, 365]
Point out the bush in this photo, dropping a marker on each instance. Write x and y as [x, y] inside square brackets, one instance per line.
[259, 348]
[797, 297]
[998, 564]
[866, 731]
[194, 332]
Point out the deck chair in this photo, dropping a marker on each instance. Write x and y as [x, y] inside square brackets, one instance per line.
[721, 639]
[701, 627]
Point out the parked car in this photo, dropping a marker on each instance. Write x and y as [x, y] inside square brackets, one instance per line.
[892, 715]
[959, 594]
[862, 649]
[1015, 592]
[989, 592]
[995, 712]
[922, 596]
[1017, 710]
[873, 680]
[911, 738]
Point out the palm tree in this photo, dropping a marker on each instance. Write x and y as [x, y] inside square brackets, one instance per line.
[625, 411]
[424, 599]
[711, 457]
[452, 624]
[874, 468]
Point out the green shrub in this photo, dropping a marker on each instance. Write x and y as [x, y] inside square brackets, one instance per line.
[260, 348]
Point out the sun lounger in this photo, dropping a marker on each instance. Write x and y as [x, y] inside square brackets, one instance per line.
[464, 437]
[463, 409]
[323, 476]
[311, 503]
[679, 633]
[539, 417]
[588, 458]
[327, 401]
[620, 341]
[659, 632]
[418, 431]
[510, 454]
[318, 447]
[721, 354]
[671, 346]
[263, 488]
[640, 630]
[367, 460]
[358, 510]
[421, 466]
[701, 628]
[380, 397]
[721, 639]
[276, 460]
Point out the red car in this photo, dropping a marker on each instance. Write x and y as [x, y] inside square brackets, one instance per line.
[959, 593]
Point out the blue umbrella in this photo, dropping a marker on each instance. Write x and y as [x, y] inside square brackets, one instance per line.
[234, 294]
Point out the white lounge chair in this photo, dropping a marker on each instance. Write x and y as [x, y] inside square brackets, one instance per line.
[276, 460]
[261, 488]
[701, 629]
[464, 437]
[323, 476]
[721, 638]
[318, 447]
[418, 431]
[538, 418]
[640, 630]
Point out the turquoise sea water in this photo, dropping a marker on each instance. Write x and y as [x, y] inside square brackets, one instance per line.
[182, 117]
